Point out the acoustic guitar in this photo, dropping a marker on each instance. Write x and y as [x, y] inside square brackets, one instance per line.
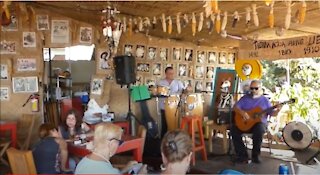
[255, 115]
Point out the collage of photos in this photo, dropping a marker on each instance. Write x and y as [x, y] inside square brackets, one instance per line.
[193, 67]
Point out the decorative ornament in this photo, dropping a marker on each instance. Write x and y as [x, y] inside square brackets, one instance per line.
[178, 23]
[268, 2]
[207, 8]
[185, 20]
[135, 25]
[248, 69]
[255, 15]
[194, 24]
[248, 16]
[212, 19]
[124, 24]
[271, 16]
[130, 27]
[214, 6]
[224, 21]
[288, 16]
[200, 25]
[218, 22]
[140, 25]
[169, 25]
[303, 10]
[163, 20]
[154, 22]
[236, 18]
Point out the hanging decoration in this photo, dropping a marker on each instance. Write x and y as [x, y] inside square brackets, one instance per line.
[288, 16]
[130, 27]
[154, 22]
[185, 20]
[255, 15]
[224, 21]
[214, 6]
[248, 16]
[271, 16]
[212, 20]
[218, 22]
[194, 24]
[200, 25]
[146, 24]
[140, 24]
[268, 2]
[163, 20]
[236, 18]
[178, 23]
[207, 8]
[124, 24]
[169, 25]
[135, 25]
[303, 10]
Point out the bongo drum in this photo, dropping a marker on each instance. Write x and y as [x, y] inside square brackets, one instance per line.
[171, 105]
[194, 105]
[153, 90]
[163, 91]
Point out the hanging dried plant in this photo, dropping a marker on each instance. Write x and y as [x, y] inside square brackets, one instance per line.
[154, 22]
[130, 27]
[194, 24]
[124, 24]
[169, 25]
[236, 18]
[224, 21]
[288, 17]
[248, 16]
[255, 15]
[207, 8]
[163, 20]
[218, 22]
[185, 20]
[200, 25]
[303, 10]
[178, 23]
[271, 16]
[214, 6]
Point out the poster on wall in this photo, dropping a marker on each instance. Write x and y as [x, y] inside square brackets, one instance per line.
[60, 31]
[43, 22]
[13, 26]
[4, 93]
[96, 86]
[29, 39]
[4, 72]
[85, 34]
[8, 47]
[25, 84]
[26, 64]
[104, 59]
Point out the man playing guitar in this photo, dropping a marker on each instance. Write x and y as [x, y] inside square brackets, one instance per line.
[243, 106]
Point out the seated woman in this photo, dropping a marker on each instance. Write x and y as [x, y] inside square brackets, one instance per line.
[107, 139]
[73, 127]
[50, 154]
[176, 151]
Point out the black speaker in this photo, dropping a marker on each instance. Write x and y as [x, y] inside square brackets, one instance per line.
[125, 69]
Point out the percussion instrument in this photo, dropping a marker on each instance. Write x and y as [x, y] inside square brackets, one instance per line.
[298, 135]
[163, 91]
[153, 90]
[194, 104]
[172, 115]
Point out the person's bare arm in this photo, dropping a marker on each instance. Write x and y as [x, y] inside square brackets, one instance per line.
[64, 153]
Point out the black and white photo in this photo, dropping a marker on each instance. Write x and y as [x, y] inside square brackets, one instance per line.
[163, 54]
[176, 53]
[182, 70]
[210, 72]
[8, 47]
[13, 26]
[198, 87]
[60, 31]
[43, 22]
[26, 64]
[201, 57]
[143, 67]
[4, 93]
[96, 86]
[4, 72]
[85, 34]
[212, 57]
[104, 59]
[152, 53]
[140, 51]
[223, 58]
[199, 73]
[25, 84]
[188, 54]
[156, 69]
[231, 58]
[128, 49]
[29, 39]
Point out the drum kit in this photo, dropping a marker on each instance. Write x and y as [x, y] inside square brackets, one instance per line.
[177, 105]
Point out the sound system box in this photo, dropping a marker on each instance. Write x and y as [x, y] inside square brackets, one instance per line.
[125, 69]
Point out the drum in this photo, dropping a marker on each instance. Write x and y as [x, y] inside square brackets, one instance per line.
[298, 135]
[171, 109]
[194, 105]
[163, 91]
[153, 90]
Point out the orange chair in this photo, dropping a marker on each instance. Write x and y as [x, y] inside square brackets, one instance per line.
[191, 121]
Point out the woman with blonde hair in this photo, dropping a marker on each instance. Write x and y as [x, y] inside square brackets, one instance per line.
[107, 139]
[176, 151]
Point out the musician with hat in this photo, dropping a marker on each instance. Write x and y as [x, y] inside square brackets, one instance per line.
[248, 105]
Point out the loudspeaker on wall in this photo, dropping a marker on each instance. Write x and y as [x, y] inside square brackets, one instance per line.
[125, 69]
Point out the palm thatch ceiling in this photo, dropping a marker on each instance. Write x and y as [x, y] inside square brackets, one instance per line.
[90, 12]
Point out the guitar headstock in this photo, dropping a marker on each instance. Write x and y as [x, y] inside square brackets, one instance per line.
[292, 100]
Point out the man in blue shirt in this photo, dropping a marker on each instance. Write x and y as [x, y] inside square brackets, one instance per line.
[246, 103]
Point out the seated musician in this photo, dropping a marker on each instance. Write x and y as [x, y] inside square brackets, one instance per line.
[246, 103]
[176, 87]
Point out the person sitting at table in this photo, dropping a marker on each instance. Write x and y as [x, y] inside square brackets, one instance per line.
[50, 154]
[73, 127]
[176, 151]
[106, 140]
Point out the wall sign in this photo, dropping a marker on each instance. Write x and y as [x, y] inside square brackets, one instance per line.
[299, 47]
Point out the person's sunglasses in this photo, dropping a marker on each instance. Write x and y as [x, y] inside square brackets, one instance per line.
[120, 142]
[254, 88]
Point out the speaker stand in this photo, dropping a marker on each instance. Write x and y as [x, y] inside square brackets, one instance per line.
[130, 116]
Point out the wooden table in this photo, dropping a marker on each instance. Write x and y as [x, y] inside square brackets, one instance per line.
[124, 124]
[130, 143]
[11, 126]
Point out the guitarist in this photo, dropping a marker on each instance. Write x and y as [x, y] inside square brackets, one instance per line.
[246, 103]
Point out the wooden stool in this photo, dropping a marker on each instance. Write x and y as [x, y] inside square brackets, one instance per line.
[191, 121]
[221, 129]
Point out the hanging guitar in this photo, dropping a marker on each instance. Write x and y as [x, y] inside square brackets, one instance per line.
[255, 115]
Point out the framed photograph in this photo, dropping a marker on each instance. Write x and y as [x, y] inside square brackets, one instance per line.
[163, 54]
[187, 83]
[188, 54]
[210, 72]
[26, 64]
[128, 49]
[209, 86]
[198, 87]
[223, 58]
[150, 82]
[176, 53]
[152, 53]
[199, 72]
[105, 61]
[156, 69]
[201, 57]
[168, 65]
[8, 47]
[60, 31]
[140, 51]
[182, 70]
[13, 26]
[212, 57]
[97, 86]
[43, 22]
[231, 58]
[4, 72]
[4, 93]
[85, 34]
[29, 39]
[143, 67]
[25, 84]
[139, 80]
[110, 76]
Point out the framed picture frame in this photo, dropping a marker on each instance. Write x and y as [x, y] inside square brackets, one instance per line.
[222, 58]
[209, 72]
[85, 35]
[143, 67]
[8, 47]
[199, 72]
[163, 54]
[139, 80]
[25, 84]
[26, 64]
[13, 26]
[4, 93]
[128, 49]
[140, 51]
[187, 82]
[231, 58]
[4, 72]
[188, 54]
[97, 86]
[201, 57]
[150, 81]
[176, 53]
[212, 57]
[182, 70]
[60, 31]
[209, 86]
[29, 39]
[152, 53]
[198, 86]
[104, 59]
[43, 22]
[156, 69]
